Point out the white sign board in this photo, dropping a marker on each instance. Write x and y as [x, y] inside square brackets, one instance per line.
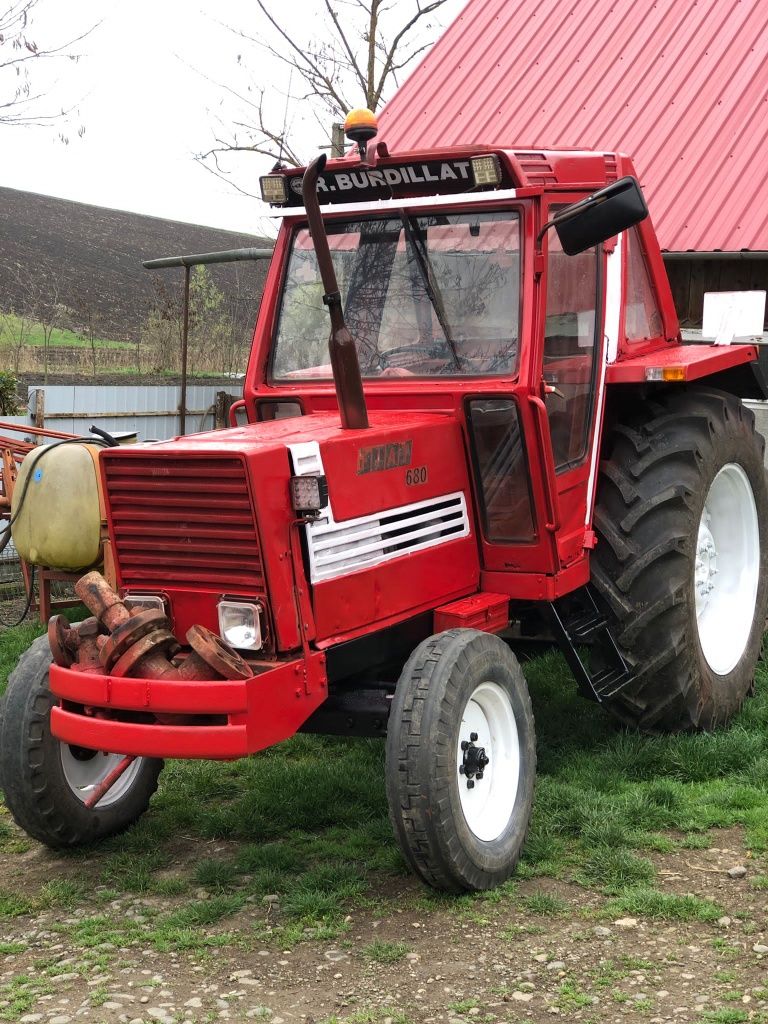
[729, 315]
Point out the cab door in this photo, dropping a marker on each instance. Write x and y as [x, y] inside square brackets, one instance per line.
[572, 381]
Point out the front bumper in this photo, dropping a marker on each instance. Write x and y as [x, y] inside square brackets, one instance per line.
[112, 713]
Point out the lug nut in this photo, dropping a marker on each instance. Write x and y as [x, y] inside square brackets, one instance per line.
[473, 736]
[470, 784]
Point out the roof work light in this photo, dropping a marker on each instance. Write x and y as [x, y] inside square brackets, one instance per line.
[274, 189]
[486, 169]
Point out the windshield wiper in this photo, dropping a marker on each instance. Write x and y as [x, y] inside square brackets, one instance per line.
[430, 286]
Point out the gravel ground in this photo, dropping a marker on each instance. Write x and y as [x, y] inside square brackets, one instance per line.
[544, 950]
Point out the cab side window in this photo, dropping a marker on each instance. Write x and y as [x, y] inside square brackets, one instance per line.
[642, 319]
[569, 349]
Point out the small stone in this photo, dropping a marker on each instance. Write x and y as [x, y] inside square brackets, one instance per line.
[601, 932]
[541, 958]
[522, 997]
[724, 922]
[238, 975]
[195, 1002]
[335, 955]
[759, 947]
[626, 922]
[738, 872]
[526, 986]
[272, 899]
[662, 993]
[62, 1018]
[555, 965]
[413, 957]
[31, 1018]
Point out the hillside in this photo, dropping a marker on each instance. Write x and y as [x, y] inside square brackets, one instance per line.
[91, 257]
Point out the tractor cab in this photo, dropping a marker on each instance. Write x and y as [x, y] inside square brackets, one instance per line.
[461, 302]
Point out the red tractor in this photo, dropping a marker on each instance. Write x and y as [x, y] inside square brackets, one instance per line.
[505, 438]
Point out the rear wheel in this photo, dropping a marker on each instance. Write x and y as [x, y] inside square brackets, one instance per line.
[46, 782]
[682, 557]
[461, 760]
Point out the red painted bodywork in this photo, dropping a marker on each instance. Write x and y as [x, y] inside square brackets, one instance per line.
[258, 712]
[241, 499]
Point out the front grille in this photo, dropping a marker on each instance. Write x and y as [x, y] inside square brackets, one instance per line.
[183, 523]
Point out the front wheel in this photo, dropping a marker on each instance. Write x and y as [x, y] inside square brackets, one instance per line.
[461, 761]
[46, 782]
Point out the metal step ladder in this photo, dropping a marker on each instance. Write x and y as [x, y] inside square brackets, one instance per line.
[576, 622]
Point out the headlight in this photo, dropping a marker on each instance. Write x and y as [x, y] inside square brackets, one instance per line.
[240, 625]
[309, 493]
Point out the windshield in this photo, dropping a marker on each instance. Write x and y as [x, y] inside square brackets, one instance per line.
[423, 295]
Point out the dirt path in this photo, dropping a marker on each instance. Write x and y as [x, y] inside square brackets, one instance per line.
[541, 951]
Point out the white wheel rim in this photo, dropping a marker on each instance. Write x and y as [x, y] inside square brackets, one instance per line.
[84, 770]
[488, 803]
[727, 569]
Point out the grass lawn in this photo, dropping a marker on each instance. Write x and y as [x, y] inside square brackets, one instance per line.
[307, 821]
[60, 338]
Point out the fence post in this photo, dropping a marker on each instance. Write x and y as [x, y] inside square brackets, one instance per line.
[221, 410]
[40, 414]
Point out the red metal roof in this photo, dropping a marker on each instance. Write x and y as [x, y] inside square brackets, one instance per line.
[680, 86]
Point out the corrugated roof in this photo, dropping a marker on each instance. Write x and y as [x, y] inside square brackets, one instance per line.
[681, 86]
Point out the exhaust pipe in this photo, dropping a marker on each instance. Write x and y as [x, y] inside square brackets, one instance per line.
[341, 345]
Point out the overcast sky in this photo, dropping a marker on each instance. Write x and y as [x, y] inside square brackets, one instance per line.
[149, 87]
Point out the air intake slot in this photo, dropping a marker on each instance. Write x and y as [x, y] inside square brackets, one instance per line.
[336, 549]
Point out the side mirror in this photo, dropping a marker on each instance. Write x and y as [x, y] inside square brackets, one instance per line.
[600, 216]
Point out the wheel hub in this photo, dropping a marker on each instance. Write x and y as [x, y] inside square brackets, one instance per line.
[474, 762]
[706, 560]
[726, 568]
[488, 761]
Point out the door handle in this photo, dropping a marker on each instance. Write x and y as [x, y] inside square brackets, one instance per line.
[541, 424]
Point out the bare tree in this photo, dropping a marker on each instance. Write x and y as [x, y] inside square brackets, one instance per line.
[365, 47]
[23, 51]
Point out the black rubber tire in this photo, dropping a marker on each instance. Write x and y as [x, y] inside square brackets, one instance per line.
[421, 773]
[658, 465]
[31, 774]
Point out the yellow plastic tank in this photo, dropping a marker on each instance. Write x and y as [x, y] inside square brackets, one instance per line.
[59, 516]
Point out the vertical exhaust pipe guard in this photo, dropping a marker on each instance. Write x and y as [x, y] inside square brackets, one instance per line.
[344, 362]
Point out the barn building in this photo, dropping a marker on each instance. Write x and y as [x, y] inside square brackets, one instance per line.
[680, 86]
